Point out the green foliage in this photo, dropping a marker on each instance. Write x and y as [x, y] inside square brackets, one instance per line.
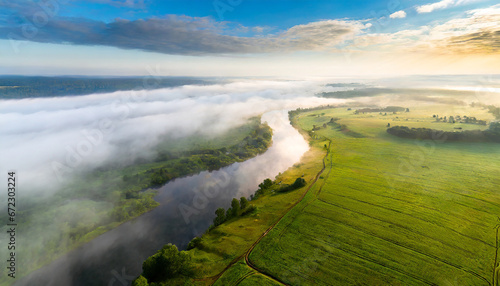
[494, 110]
[229, 214]
[248, 210]
[495, 127]
[238, 208]
[220, 216]
[386, 109]
[195, 242]
[194, 161]
[38, 86]
[235, 205]
[140, 281]
[299, 183]
[264, 188]
[243, 203]
[266, 184]
[166, 263]
[490, 135]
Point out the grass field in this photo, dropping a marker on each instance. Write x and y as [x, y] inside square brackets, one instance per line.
[228, 242]
[384, 211]
[391, 211]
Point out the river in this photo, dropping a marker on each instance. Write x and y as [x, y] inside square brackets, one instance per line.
[187, 207]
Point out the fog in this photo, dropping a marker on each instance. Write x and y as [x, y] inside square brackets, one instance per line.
[187, 207]
[48, 140]
[51, 141]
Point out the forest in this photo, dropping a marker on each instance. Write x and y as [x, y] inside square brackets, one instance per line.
[492, 134]
[16, 87]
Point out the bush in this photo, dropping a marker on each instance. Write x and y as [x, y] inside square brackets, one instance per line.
[299, 183]
[140, 281]
[266, 184]
[195, 242]
[166, 263]
[221, 216]
[249, 209]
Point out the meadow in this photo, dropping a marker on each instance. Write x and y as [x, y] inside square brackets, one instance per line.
[391, 211]
[384, 211]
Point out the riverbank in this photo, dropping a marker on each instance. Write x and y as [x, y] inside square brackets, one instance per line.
[227, 244]
[106, 198]
[125, 247]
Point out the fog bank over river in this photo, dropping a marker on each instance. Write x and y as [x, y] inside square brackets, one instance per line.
[187, 207]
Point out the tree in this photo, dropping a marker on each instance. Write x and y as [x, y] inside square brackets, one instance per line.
[166, 263]
[140, 281]
[235, 205]
[243, 203]
[229, 214]
[221, 216]
[299, 183]
[266, 184]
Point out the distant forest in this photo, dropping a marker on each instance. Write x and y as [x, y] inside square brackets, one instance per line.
[16, 87]
[490, 135]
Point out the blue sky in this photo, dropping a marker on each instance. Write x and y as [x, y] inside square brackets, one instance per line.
[243, 37]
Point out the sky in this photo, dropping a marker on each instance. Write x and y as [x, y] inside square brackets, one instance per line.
[249, 38]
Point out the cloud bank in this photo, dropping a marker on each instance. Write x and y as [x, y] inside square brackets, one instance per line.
[180, 35]
[475, 33]
[50, 139]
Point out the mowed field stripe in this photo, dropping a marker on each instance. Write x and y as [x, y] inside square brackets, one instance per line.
[413, 216]
[402, 245]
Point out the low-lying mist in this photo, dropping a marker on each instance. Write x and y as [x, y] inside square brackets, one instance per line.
[53, 141]
[48, 140]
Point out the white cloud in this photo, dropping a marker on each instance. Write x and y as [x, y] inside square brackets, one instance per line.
[443, 4]
[398, 14]
[477, 32]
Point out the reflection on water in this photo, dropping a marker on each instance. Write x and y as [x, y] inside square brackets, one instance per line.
[187, 207]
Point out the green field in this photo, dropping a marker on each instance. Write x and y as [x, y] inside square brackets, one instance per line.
[385, 210]
[391, 211]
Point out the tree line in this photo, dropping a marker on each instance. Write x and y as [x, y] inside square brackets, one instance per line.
[178, 165]
[492, 134]
[39, 86]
